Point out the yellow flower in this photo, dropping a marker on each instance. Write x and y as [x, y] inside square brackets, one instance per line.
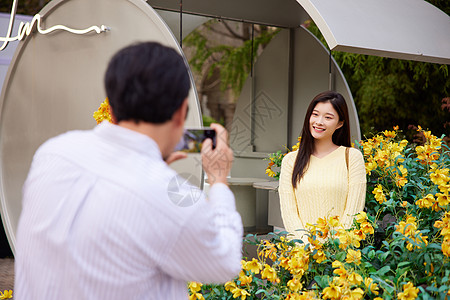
[244, 279]
[426, 202]
[341, 272]
[442, 199]
[371, 286]
[195, 286]
[296, 146]
[440, 176]
[323, 227]
[337, 264]
[230, 286]
[331, 292]
[355, 278]
[103, 112]
[353, 256]
[407, 228]
[359, 234]
[361, 217]
[344, 238]
[389, 134]
[367, 148]
[334, 221]
[240, 293]
[400, 181]
[366, 227]
[270, 173]
[294, 284]
[409, 292]
[294, 296]
[253, 266]
[315, 243]
[403, 144]
[196, 296]
[320, 256]
[7, 294]
[298, 264]
[284, 262]
[269, 274]
[382, 158]
[354, 294]
[269, 250]
[379, 195]
[370, 165]
[446, 246]
[445, 188]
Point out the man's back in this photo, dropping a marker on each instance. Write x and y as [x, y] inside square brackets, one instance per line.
[97, 223]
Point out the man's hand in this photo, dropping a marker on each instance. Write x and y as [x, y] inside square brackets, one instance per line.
[217, 162]
[174, 156]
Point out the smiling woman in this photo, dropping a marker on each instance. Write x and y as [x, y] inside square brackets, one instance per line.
[325, 177]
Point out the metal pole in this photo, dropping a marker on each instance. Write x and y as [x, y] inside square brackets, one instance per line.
[252, 103]
[181, 23]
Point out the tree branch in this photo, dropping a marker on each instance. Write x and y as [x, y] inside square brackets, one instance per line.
[233, 33]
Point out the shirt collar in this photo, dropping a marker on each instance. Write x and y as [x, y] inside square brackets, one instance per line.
[128, 138]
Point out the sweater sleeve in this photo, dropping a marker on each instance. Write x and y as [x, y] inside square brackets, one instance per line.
[356, 187]
[288, 201]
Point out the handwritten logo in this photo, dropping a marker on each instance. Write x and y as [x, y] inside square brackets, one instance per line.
[26, 28]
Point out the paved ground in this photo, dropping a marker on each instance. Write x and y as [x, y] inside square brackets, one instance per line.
[6, 274]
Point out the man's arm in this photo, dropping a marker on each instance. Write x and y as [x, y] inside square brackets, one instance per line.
[209, 248]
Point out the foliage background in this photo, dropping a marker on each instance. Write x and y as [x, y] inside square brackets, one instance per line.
[386, 91]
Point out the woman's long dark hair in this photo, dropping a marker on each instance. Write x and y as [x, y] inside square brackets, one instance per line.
[341, 136]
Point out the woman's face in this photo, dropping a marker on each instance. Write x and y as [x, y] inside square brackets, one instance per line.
[324, 121]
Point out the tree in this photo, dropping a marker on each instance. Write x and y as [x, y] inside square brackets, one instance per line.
[24, 7]
[232, 58]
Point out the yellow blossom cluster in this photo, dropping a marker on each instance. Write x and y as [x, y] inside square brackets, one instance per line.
[346, 285]
[236, 291]
[438, 201]
[103, 112]
[7, 294]
[383, 152]
[410, 292]
[429, 152]
[354, 237]
[379, 194]
[273, 159]
[444, 225]
[276, 158]
[409, 229]
[195, 288]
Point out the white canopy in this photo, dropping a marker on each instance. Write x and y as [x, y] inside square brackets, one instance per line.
[405, 29]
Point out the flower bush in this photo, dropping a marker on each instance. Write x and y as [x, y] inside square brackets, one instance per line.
[398, 248]
[102, 113]
[6, 294]
[275, 160]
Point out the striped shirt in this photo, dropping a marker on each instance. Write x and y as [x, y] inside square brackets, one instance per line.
[104, 217]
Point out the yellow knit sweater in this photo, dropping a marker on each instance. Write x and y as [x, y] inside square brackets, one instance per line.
[327, 189]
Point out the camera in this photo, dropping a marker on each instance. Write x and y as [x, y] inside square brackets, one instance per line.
[192, 139]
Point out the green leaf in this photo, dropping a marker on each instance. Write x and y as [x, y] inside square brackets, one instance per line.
[383, 270]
